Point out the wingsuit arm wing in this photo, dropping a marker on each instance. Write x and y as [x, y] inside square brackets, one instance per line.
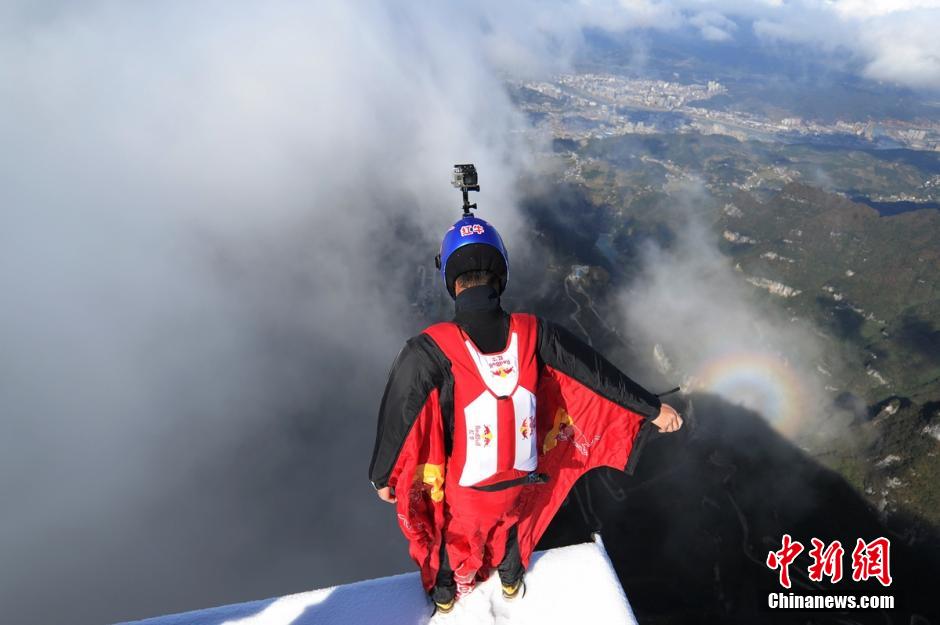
[415, 373]
[563, 351]
[589, 414]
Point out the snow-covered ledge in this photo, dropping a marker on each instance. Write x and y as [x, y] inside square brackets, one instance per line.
[575, 584]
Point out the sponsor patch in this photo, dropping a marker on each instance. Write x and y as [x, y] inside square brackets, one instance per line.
[480, 435]
[500, 366]
[466, 231]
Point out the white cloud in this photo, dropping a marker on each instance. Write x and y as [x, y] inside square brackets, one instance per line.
[904, 48]
[893, 41]
[890, 40]
[713, 26]
[857, 9]
[210, 214]
[898, 46]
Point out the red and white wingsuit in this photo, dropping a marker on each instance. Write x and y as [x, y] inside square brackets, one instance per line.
[537, 416]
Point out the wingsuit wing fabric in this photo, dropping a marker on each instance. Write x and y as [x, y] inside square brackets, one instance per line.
[577, 430]
[418, 481]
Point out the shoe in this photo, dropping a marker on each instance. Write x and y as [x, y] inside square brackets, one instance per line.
[443, 608]
[511, 591]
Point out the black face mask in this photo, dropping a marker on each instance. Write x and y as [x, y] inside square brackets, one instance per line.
[479, 313]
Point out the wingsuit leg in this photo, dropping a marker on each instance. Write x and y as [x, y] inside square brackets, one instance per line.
[510, 569]
[445, 589]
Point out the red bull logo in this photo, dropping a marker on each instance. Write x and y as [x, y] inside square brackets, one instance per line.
[565, 430]
[480, 435]
[525, 429]
[466, 231]
[501, 367]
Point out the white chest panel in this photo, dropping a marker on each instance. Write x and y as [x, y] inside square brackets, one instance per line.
[500, 373]
[482, 445]
[526, 450]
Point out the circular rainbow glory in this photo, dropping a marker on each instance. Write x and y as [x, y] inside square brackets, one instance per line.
[761, 381]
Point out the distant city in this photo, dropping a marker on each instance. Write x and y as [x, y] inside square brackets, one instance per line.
[584, 106]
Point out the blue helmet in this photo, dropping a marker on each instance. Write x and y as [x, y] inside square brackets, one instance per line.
[472, 244]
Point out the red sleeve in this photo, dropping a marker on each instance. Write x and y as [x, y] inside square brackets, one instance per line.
[418, 480]
[415, 373]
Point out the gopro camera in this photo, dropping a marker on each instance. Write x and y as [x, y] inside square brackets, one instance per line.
[465, 177]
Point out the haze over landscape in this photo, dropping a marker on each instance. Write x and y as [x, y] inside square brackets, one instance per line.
[219, 225]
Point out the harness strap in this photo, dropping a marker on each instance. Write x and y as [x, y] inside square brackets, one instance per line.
[531, 478]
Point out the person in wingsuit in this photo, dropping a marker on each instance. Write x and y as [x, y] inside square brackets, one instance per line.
[489, 419]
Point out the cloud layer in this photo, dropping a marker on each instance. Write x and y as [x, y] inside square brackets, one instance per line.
[212, 219]
[888, 40]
